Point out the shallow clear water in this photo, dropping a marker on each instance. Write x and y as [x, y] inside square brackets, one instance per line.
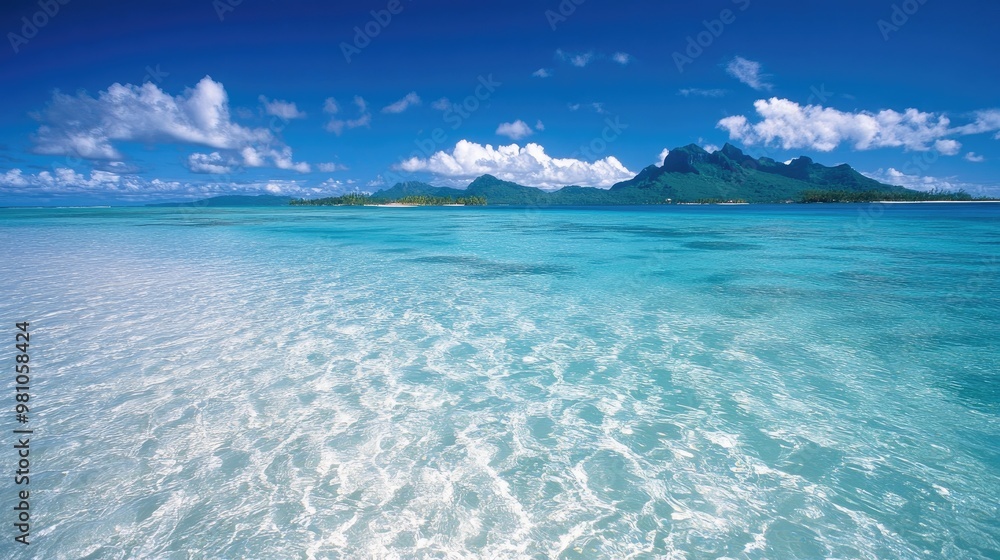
[679, 382]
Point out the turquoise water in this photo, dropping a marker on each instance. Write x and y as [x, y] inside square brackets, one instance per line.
[675, 382]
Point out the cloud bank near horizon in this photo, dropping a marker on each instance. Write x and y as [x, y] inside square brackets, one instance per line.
[789, 125]
[528, 165]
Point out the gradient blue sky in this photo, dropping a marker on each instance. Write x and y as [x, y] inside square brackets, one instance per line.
[130, 102]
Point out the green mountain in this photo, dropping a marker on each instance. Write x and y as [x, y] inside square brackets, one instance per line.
[230, 200]
[506, 192]
[688, 174]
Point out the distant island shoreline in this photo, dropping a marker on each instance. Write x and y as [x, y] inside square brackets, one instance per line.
[689, 175]
[250, 203]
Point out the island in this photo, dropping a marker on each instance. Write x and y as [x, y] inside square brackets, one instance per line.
[688, 175]
[364, 199]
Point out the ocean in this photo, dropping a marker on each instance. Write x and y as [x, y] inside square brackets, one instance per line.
[683, 382]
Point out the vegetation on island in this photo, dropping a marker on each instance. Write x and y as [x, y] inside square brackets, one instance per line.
[718, 201]
[813, 196]
[427, 200]
[364, 199]
[351, 199]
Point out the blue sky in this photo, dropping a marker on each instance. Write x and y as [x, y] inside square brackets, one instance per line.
[132, 102]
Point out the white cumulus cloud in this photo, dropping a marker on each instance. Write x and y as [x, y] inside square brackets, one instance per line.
[894, 176]
[790, 125]
[66, 180]
[283, 160]
[88, 127]
[14, 178]
[529, 165]
[125, 187]
[514, 130]
[280, 157]
[541, 73]
[974, 157]
[209, 163]
[281, 109]
[947, 146]
[987, 120]
[331, 167]
[621, 58]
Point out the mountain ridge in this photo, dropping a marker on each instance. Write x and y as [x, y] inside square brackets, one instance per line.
[687, 174]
